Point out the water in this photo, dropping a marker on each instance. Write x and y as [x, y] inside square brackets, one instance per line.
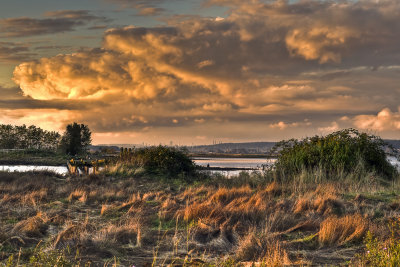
[27, 168]
[252, 164]
[240, 163]
[394, 161]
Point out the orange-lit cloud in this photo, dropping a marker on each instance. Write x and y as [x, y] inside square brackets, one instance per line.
[48, 119]
[283, 125]
[385, 120]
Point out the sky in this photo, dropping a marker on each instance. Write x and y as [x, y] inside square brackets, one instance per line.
[189, 72]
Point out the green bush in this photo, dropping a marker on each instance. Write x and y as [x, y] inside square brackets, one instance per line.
[342, 152]
[167, 161]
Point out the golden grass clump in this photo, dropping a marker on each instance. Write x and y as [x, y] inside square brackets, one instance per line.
[324, 200]
[115, 209]
[169, 207]
[276, 255]
[303, 204]
[279, 221]
[264, 249]
[33, 227]
[226, 195]
[326, 205]
[136, 197]
[272, 190]
[73, 233]
[196, 192]
[78, 194]
[35, 196]
[196, 211]
[341, 230]
[129, 233]
[250, 247]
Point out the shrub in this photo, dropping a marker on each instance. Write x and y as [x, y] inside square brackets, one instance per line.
[382, 253]
[167, 161]
[342, 152]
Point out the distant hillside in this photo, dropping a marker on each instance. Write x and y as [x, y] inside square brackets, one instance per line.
[122, 145]
[394, 143]
[234, 148]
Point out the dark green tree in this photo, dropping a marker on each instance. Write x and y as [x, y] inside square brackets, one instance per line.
[8, 139]
[76, 139]
[32, 137]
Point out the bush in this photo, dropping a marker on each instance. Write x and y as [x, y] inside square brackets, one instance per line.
[340, 152]
[163, 160]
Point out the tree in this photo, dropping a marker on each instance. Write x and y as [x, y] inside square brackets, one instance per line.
[8, 138]
[32, 137]
[76, 139]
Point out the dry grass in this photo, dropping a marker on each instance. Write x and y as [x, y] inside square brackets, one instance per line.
[78, 194]
[324, 200]
[101, 217]
[342, 230]
[268, 251]
[33, 227]
[128, 233]
[276, 255]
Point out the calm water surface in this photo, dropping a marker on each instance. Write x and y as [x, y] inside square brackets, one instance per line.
[26, 168]
[245, 163]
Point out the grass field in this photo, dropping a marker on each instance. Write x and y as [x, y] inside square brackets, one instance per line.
[106, 221]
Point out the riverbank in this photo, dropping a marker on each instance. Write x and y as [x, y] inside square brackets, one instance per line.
[142, 221]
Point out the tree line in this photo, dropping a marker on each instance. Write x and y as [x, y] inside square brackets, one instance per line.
[75, 139]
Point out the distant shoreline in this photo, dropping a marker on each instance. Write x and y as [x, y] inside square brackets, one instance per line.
[201, 168]
[222, 155]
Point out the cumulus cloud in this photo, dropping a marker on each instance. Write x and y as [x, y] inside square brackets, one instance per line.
[385, 120]
[333, 127]
[272, 62]
[283, 125]
[56, 21]
[319, 42]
